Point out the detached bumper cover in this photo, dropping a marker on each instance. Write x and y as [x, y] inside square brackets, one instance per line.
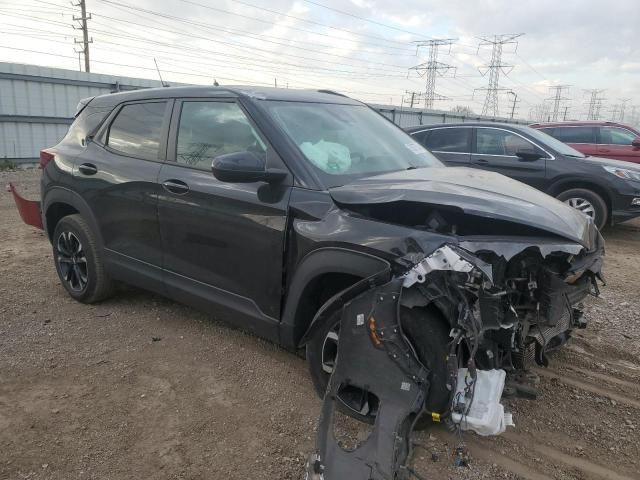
[29, 210]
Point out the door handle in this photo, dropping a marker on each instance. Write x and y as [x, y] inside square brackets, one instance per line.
[176, 187]
[88, 169]
[480, 161]
[605, 149]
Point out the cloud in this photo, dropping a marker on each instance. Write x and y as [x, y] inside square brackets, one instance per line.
[585, 43]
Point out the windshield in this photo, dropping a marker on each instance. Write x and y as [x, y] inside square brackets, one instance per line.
[346, 142]
[557, 145]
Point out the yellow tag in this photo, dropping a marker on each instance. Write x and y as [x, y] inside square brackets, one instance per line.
[435, 417]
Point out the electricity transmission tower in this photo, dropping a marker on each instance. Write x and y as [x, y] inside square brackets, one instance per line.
[82, 19]
[515, 102]
[433, 68]
[595, 104]
[490, 106]
[634, 115]
[557, 98]
[623, 106]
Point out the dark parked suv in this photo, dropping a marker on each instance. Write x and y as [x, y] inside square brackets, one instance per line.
[261, 206]
[606, 190]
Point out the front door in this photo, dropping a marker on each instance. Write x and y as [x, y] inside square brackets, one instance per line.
[117, 175]
[223, 242]
[615, 142]
[495, 149]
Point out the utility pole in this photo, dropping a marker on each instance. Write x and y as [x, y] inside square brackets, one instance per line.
[566, 109]
[557, 98]
[413, 98]
[614, 112]
[490, 106]
[595, 104]
[85, 33]
[515, 100]
[433, 68]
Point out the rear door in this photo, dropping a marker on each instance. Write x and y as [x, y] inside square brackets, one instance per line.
[615, 142]
[582, 138]
[223, 242]
[495, 150]
[117, 175]
[452, 145]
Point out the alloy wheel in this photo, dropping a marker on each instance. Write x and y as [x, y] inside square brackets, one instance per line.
[582, 205]
[330, 350]
[72, 261]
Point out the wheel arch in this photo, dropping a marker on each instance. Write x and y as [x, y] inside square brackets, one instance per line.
[318, 276]
[569, 183]
[59, 202]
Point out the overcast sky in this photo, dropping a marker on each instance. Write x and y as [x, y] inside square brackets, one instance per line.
[364, 48]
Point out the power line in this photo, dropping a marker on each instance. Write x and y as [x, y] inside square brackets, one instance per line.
[228, 12]
[490, 106]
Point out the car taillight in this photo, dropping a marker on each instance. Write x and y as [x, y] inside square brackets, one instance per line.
[46, 156]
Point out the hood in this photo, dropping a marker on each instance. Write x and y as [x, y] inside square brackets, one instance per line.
[610, 162]
[475, 192]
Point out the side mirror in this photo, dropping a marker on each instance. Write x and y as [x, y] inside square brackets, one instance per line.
[529, 155]
[244, 167]
[636, 142]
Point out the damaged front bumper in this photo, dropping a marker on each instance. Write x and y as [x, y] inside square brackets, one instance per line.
[505, 310]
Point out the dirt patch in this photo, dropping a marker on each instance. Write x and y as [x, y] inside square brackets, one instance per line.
[141, 387]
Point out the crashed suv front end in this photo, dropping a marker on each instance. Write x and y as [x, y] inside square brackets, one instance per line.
[509, 283]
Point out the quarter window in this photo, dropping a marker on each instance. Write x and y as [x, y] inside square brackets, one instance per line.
[574, 134]
[137, 129]
[491, 141]
[210, 129]
[456, 140]
[616, 136]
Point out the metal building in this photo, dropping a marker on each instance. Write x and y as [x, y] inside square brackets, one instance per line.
[37, 105]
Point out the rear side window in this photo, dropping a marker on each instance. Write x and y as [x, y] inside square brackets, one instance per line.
[616, 136]
[456, 140]
[574, 134]
[492, 141]
[210, 129]
[137, 129]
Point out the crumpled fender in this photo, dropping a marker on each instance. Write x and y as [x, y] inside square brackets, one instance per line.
[29, 210]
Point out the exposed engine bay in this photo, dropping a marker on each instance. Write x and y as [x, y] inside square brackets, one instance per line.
[508, 304]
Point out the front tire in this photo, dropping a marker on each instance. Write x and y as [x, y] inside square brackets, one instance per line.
[427, 331]
[79, 261]
[588, 202]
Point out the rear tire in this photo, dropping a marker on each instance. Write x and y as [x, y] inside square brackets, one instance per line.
[429, 334]
[79, 261]
[587, 201]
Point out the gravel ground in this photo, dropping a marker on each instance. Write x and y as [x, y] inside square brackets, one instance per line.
[141, 387]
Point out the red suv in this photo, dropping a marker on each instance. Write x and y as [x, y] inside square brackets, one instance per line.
[598, 139]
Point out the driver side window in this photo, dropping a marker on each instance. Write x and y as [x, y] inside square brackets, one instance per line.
[616, 136]
[209, 129]
[491, 141]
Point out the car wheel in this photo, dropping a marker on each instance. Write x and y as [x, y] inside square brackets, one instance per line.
[588, 202]
[79, 261]
[426, 330]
